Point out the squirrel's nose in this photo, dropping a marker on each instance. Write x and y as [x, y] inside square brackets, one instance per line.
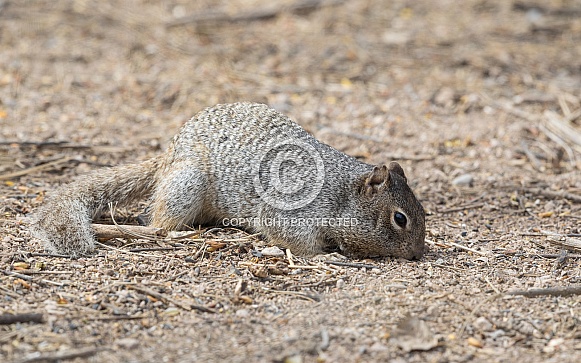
[418, 252]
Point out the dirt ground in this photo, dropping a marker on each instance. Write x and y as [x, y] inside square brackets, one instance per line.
[479, 101]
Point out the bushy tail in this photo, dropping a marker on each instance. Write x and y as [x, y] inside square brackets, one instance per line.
[63, 223]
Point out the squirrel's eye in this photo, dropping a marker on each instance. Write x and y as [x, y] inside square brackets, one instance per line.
[400, 219]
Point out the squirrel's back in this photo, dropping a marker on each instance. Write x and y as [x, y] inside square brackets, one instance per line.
[233, 143]
[230, 134]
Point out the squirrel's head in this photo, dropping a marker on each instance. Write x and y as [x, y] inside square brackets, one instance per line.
[391, 221]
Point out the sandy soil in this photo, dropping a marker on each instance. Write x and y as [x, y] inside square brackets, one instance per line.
[470, 98]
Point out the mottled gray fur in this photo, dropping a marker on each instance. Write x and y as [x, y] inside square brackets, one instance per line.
[210, 172]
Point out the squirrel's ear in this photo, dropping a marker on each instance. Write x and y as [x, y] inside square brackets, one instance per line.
[376, 179]
[396, 168]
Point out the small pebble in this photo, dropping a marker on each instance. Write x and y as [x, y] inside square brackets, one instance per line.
[482, 323]
[444, 97]
[272, 251]
[128, 343]
[534, 15]
[497, 334]
[553, 345]
[378, 347]
[294, 359]
[463, 180]
[340, 283]
[396, 37]
[171, 311]
[434, 232]
[242, 313]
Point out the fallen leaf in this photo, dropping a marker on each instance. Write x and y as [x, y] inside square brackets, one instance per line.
[19, 266]
[346, 83]
[475, 342]
[246, 299]
[406, 13]
[546, 214]
[294, 359]
[171, 312]
[24, 284]
[214, 245]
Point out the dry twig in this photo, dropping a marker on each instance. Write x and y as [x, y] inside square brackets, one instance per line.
[563, 240]
[105, 232]
[60, 356]
[158, 295]
[551, 291]
[350, 264]
[531, 156]
[10, 293]
[461, 208]
[453, 244]
[555, 194]
[552, 125]
[311, 297]
[563, 129]
[30, 278]
[7, 319]
[127, 252]
[135, 232]
[259, 14]
[34, 169]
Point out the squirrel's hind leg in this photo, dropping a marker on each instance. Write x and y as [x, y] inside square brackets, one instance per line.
[179, 197]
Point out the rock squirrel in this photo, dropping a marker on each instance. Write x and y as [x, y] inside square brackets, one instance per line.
[247, 165]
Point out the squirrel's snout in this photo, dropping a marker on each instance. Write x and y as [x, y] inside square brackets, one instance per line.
[415, 254]
[418, 253]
